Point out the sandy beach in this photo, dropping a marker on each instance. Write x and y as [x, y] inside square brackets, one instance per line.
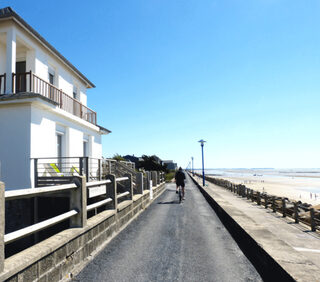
[306, 189]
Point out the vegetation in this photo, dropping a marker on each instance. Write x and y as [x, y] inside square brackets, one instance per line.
[118, 157]
[170, 175]
[150, 163]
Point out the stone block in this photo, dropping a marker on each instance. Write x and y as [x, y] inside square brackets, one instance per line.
[29, 274]
[54, 274]
[46, 264]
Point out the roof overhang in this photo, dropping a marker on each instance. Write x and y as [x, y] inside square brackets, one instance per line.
[103, 130]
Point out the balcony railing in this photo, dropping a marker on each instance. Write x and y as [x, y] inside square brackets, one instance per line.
[29, 82]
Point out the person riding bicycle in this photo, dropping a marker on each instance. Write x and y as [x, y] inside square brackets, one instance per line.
[180, 177]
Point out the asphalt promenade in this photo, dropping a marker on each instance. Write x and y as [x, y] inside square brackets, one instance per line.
[293, 246]
[172, 242]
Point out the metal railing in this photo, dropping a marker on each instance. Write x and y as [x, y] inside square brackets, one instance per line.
[29, 82]
[293, 209]
[53, 171]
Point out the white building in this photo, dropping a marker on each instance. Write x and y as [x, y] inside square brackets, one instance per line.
[43, 100]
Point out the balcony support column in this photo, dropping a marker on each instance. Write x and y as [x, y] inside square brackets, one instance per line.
[11, 58]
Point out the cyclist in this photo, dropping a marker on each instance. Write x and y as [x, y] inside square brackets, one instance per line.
[180, 177]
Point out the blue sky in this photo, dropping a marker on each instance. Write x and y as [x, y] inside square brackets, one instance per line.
[243, 75]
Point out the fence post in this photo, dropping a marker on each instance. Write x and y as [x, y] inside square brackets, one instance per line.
[87, 167]
[35, 172]
[274, 204]
[312, 221]
[296, 214]
[283, 207]
[154, 178]
[258, 198]
[129, 185]
[248, 196]
[2, 225]
[139, 182]
[112, 190]
[78, 201]
[265, 201]
[100, 169]
[148, 176]
[158, 177]
[252, 198]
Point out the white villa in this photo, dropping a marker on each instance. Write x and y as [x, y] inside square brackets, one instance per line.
[43, 106]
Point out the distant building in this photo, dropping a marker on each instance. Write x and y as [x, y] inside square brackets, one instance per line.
[170, 164]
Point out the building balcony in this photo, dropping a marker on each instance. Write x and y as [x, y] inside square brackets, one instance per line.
[31, 83]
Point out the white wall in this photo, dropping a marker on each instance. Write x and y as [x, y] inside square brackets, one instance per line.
[43, 131]
[15, 146]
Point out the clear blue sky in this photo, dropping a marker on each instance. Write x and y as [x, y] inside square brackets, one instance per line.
[243, 75]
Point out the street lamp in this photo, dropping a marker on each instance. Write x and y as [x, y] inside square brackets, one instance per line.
[203, 179]
[192, 166]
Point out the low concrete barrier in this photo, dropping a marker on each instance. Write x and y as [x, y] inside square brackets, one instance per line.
[267, 267]
[56, 257]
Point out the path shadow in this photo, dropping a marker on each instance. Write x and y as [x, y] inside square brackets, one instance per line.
[168, 203]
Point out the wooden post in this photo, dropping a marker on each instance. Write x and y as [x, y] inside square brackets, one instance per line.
[78, 201]
[312, 221]
[265, 201]
[296, 214]
[2, 225]
[258, 198]
[248, 195]
[112, 190]
[283, 207]
[139, 182]
[274, 204]
[251, 192]
[129, 185]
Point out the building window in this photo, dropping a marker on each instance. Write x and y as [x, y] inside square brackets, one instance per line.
[51, 74]
[75, 92]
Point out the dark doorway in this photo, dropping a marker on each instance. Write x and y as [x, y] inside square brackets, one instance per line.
[21, 77]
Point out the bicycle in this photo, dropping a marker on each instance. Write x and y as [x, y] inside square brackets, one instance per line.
[180, 194]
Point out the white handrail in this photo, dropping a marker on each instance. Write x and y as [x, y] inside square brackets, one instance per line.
[98, 204]
[10, 237]
[121, 179]
[122, 195]
[98, 183]
[32, 192]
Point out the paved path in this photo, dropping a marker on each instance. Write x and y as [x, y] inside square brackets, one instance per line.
[172, 242]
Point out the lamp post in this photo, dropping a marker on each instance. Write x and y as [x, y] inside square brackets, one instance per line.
[203, 178]
[192, 166]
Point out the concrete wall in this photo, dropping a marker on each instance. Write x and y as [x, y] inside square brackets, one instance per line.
[58, 256]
